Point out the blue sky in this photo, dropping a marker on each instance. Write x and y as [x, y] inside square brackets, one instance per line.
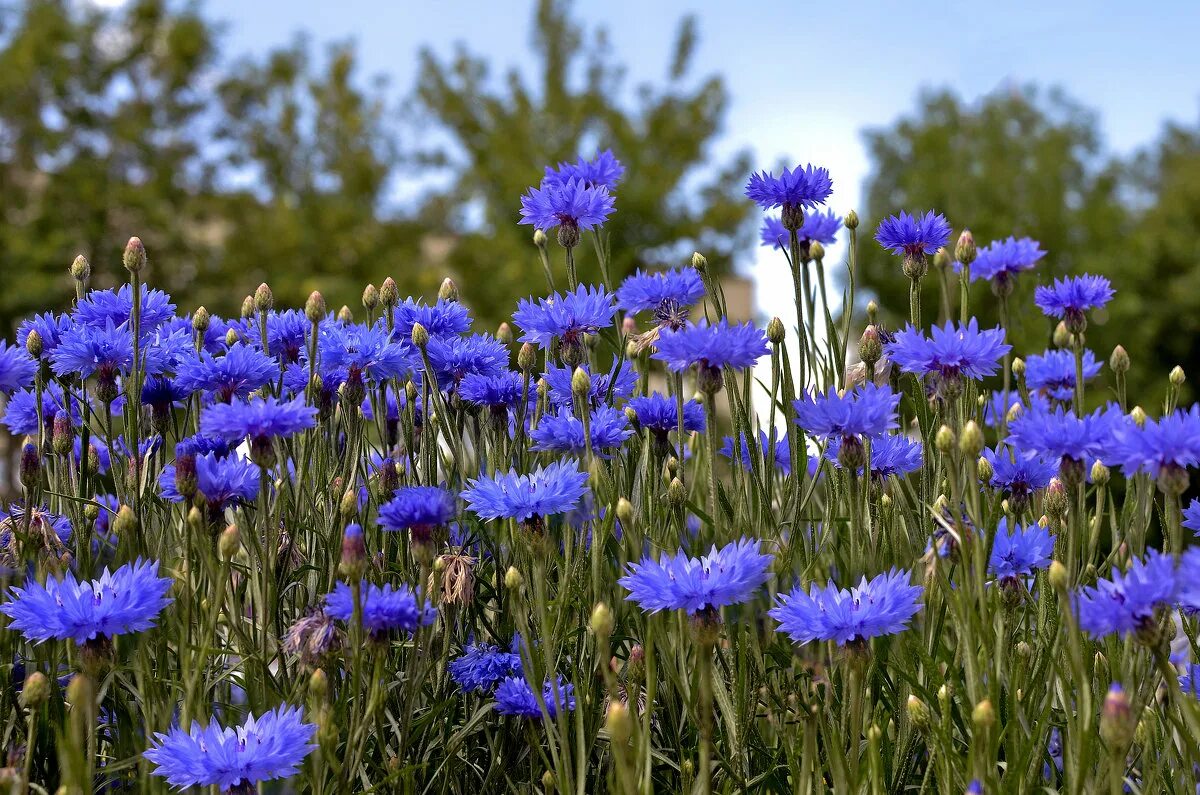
[805, 78]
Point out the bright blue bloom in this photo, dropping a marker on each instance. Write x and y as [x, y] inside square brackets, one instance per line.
[1171, 443]
[240, 371]
[604, 169]
[554, 489]
[725, 576]
[1053, 372]
[711, 347]
[914, 235]
[287, 334]
[503, 389]
[951, 351]
[84, 350]
[1058, 433]
[515, 697]
[442, 319]
[1128, 602]
[481, 667]
[1069, 298]
[259, 419]
[1191, 517]
[869, 410]
[49, 326]
[146, 446]
[1017, 552]
[563, 432]
[1019, 476]
[773, 233]
[1004, 259]
[20, 410]
[891, 454]
[163, 393]
[1189, 680]
[17, 368]
[975, 787]
[818, 227]
[99, 307]
[222, 480]
[783, 451]
[802, 187]
[366, 350]
[201, 444]
[261, 749]
[120, 602]
[569, 317]
[618, 382]
[453, 358]
[417, 507]
[998, 407]
[649, 291]
[384, 609]
[881, 606]
[660, 413]
[572, 204]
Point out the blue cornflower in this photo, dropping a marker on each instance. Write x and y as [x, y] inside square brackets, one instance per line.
[1129, 601]
[572, 205]
[260, 419]
[16, 368]
[869, 410]
[1069, 298]
[1019, 476]
[604, 169]
[1017, 552]
[1167, 445]
[669, 294]
[882, 606]
[165, 349]
[773, 233]
[618, 382]
[891, 454]
[783, 451]
[546, 491]
[1059, 434]
[163, 393]
[49, 326]
[442, 319]
[384, 609]
[20, 410]
[120, 602]
[235, 759]
[711, 347]
[500, 390]
[659, 414]
[223, 480]
[417, 508]
[914, 236]
[287, 334]
[481, 667]
[515, 697]
[99, 307]
[1001, 261]
[1189, 680]
[569, 317]
[725, 576]
[794, 189]
[1053, 372]
[237, 373]
[1000, 404]
[453, 358]
[818, 227]
[1191, 517]
[950, 352]
[104, 350]
[368, 350]
[563, 432]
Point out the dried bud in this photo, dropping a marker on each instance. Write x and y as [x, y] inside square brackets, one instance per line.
[870, 347]
[135, 255]
[420, 337]
[124, 524]
[36, 690]
[448, 291]
[370, 298]
[970, 442]
[264, 299]
[1177, 376]
[618, 723]
[776, 331]
[81, 269]
[965, 251]
[1119, 361]
[699, 262]
[527, 357]
[943, 440]
[581, 383]
[389, 293]
[602, 621]
[851, 220]
[504, 334]
[513, 579]
[229, 543]
[33, 344]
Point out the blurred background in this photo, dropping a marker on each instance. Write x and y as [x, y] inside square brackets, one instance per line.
[318, 145]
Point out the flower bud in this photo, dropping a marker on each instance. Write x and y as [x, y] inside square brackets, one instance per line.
[30, 468]
[389, 293]
[354, 553]
[318, 686]
[314, 307]
[549, 782]
[81, 269]
[420, 337]
[919, 713]
[699, 262]
[1119, 361]
[248, 307]
[134, 257]
[618, 723]
[33, 344]
[872, 312]
[851, 220]
[264, 299]
[1138, 415]
[504, 334]
[124, 523]
[602, 621]
[943, 440]
[624, 512]
[870, 348]
[941, 259]
[527, 357]
[581, 383]
[229, 543]
[513, 579]
[676, 493]
[344, 315]
[231, 337]
[944, 695]
[965, 251]
[984, 715]
[62, 437]
[776, 331]
[36, 690]
[1057, 500]
[370, 298]
[539, 238]
[1062, 336]
[201, 320]
[1117, 724]
[1177, 376]
[1059, 579]
[816, 250]
[1100, 473]
[448, 291]
[629, 325]
[971, 440]
[1014, 411]
[1018, 367]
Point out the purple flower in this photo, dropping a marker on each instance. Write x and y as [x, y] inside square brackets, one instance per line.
[16, 369]
[891, 454]
[659, 414]
[100, 307]
[1019, 476]
[711, 347]
[818, 227]
[384, 609]
[454, 358]
[515, 697]
[554, 489]
[49, 326]
[881, 606]
[602, 170]
[1189, 680]
[1017, 552]
[261, 418]
[950, 352]
[1128, 602]
[1191, 517]
[914, 236]
[240, 371]
[568, 317]
[366, 350]
[1000, 262]
[662, 292]
[1000, 404]
[618, 382]
[221, 480]
[481, 667]
[1053, 372]
[1058, 433]
[783, 452]
[773, 233]
[443, 319]
[104, 350]
[503, 389]
[20, 410]
[725, 576]
[608, 428]
[1069, 298]
[1167, 445]
[869, 410]
[572, 204]
[417, 508]
[804, 187]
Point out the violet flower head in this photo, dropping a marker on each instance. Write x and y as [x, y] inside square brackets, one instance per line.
[515, 697]
[1003, 260]
[670, 295]
[572, 206]
[554, 489]
[385, 609]
[913, 236]
[602, 170]
[1071, 297]
[794, 189]
[726, 576]
[711, 347]
[567, 317]
[883, 605]
[1053, 372]
[16, 369]
[950, 353]
[1019, 550]
[1129, 602]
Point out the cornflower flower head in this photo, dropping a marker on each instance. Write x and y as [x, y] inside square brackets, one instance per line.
[515, 697]
[163, 393]
[366, 350]
[868, 410]
[567, 317]
[1019, 550]
[99, 307]
[118, 603]
[914, 237]
[950, 354]
[1189, 680]
[571, 206]
[418, 509]
[1000, 405]
[794, 191]
[883, 605]
[385, 609]
[482, 666]
[223, 480]
[1019, 476]
[502, 390]
[726, 576]
[261, 420]
[21, 413]
[563, 432]
[1053, 372]
[670, 295]
[554, 489]
[710, 348]
[602, 170]
[1165, 447]
[454, 358]
[238, 372]
[442, 319]
[783, 451]
[1002, 261]
[891, 454]
[818, 227]
[773, 234]
[17, 368]
[49, 326]
[659, 414]
[1191, 517]
[605, 387]
[234, 759]
[287, 334]
[106, 351]
[1057, 434]
[1130, 601]
[1071, 297]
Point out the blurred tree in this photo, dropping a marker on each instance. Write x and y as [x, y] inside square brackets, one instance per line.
[494, 141]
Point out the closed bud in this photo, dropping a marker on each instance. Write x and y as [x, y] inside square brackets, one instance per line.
[135, 255]
[195, 521]
[1059, 579]
[919, 713]
[1014, 411]
[1062, 337]
[1117, 724]
[602, 621]
[30, 468]
[33, 344]
[420, 337]
[699, 262]
[1100, 473]
[624, 512]
[62, 438]
[349, 504]
[870, 347]
[527, 357]
[513, 579]
[618, 723]
[354, 553]
[816, 250]
[776, 331]
[632, 416]
[370, 297]
[314, 307]
[944, 694]
[79, 691]
[231, 337]
[448, 291]
[851, 220]
[549, 782]
[229, 543]
[504, 334]
[965, 251]
[872, 312]
[389, 293]
[885, 502]
[264, 299]
[984, 715]
[971, 440]
[941, 259]
[629, 325]
[1177, 376]
[318, 686]
[344, 315]
[124, 524]
[676, 493]
[1057, 499]
[81, 269]
[1018, 367]
[1024, 650]
[539, 238]
[247, 307]
[581, 383]
[943, 441]
[1138, 415]
[1119, 361]
[36, 690]
[201, 320]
